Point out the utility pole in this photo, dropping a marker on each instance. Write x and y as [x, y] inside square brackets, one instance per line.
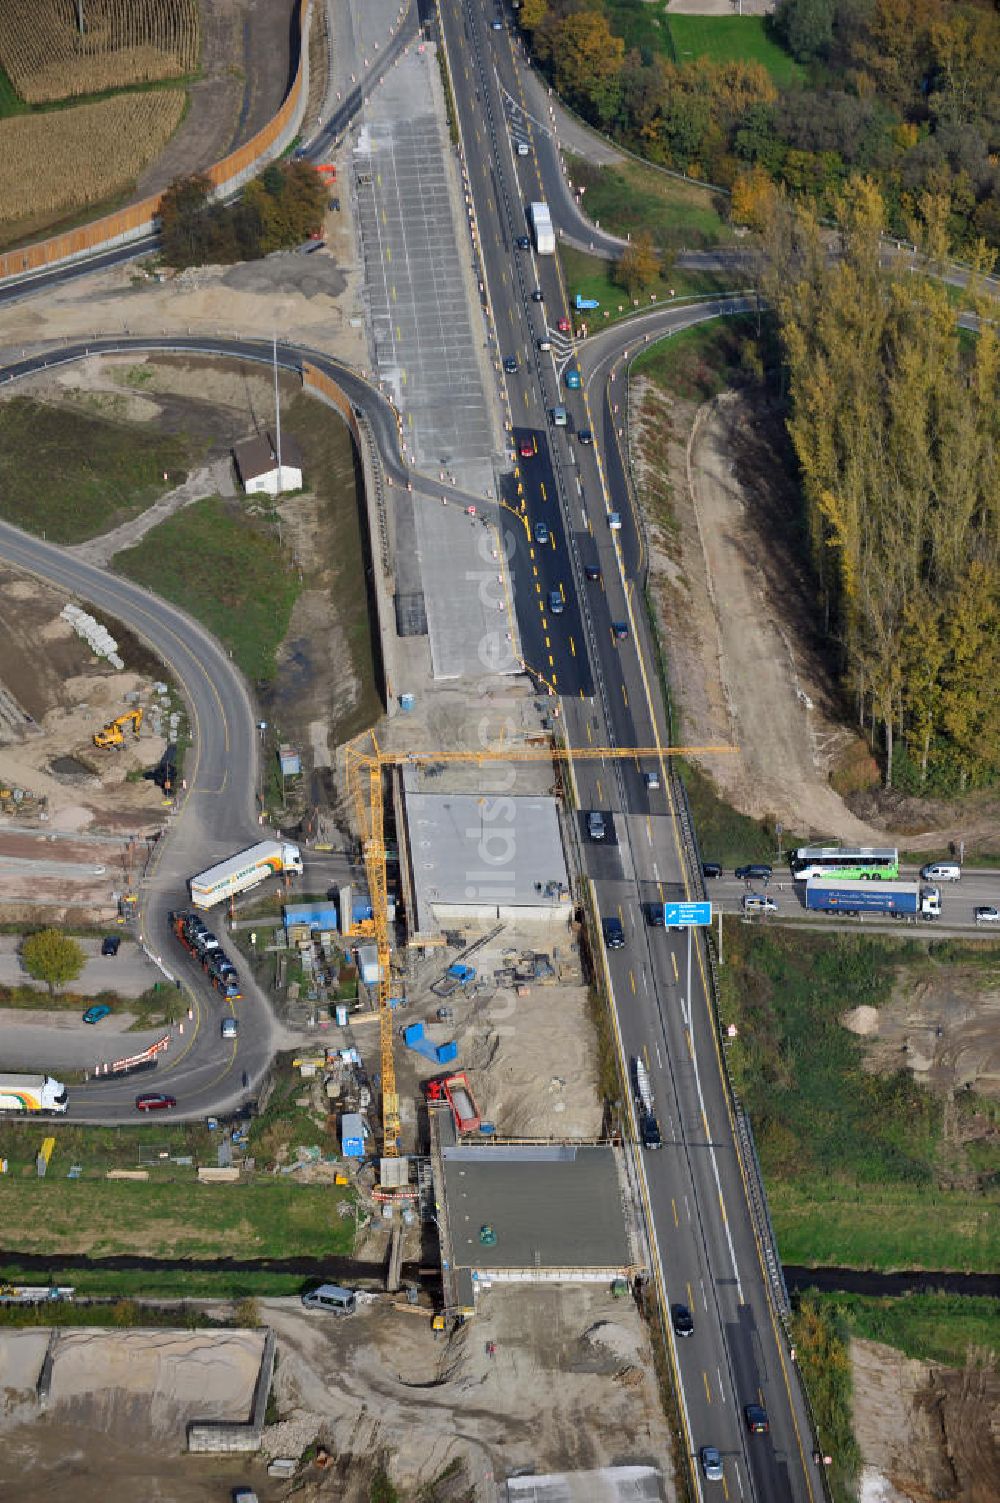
[277, 411]
[79, 17]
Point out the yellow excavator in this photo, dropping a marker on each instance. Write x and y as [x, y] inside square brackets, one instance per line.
[113, 734]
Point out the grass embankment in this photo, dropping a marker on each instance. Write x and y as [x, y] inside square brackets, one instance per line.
[949, 1328]
[175, 1219]
[229, 570]
[698, 362]
[160, 1003]
[71, 475]
[170, 1217]
[594, 278]
[340, 570]
[630, 197]
[858, 1168]
[728, 39]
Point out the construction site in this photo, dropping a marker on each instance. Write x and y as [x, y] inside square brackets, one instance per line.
[88, 737]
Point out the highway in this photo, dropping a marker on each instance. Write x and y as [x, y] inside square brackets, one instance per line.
[596, 651]
[705, 1248]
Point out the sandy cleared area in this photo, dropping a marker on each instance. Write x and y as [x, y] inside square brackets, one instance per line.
[545, 1378]
[116, 1416]
[313, 300]
[925, 1431]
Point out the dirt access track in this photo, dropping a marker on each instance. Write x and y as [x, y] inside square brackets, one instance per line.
[746, 652]
[245, 67]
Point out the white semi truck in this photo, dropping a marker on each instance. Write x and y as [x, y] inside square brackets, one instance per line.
[243, 871]
[32, 1093]
[541, 223]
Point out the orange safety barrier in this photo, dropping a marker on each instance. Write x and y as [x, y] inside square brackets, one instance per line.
[113, 227]
[313, 379]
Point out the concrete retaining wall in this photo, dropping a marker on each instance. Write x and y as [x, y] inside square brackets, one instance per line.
[229, 1435]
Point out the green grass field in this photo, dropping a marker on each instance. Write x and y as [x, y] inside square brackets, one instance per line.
[11, 102]
[949, 1328]
[267, 1218]
[858, 1169]
[631, 197]
[824, 1222]
[229, 570]
[593, 277]
[70, 475]
[732, 39]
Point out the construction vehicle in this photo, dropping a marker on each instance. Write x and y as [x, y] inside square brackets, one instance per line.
[364, 779]
[113, 734]
[455, 1089]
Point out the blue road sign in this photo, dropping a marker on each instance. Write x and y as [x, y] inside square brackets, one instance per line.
[688, 915]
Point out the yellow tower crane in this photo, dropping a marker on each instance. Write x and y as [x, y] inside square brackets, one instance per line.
[364, 777]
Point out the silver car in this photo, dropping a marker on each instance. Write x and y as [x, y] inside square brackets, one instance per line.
[711, 1463]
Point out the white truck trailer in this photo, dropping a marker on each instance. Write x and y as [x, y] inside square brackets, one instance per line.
[541, 223]
[32, 1093]
[243, 871]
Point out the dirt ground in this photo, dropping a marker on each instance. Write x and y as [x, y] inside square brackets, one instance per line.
[566, 1385]
[118, 1407]
[313, 300]
[745, 654]
[927, 1433]
[243, 79]
[529, 1058]
[945, 1029]
[51, 674]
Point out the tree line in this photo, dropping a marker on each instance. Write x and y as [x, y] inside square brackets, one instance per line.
[275, 211]
[894, 416]
[904, 91]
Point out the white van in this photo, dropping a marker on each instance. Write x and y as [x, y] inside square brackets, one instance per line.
[941, 871]
[333, 1298]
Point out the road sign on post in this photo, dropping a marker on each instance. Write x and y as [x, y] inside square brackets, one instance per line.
[687, 915]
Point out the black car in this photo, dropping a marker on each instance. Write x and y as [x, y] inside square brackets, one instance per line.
[614, 934]
[757, 871]
[592, 572]
[510, 364]
[711, 869]
[111, 944]
[756, 1418]
[538, 296]
[585, 436]
[654, 915]
[523, 242]
[682, 1320]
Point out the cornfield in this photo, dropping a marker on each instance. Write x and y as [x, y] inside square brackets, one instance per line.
[63, 160]
[124, 42]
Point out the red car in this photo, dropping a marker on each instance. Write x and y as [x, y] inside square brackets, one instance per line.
[528, 448]
[563, 326]
[154, 1101]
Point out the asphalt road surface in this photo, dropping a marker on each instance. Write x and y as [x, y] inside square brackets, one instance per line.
[706, 1253]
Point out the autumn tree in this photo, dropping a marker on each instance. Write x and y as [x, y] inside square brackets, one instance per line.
[587, 62]
[896, 427]
[52, 957]
[639, 265]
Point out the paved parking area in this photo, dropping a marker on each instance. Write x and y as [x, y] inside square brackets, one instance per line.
[425, 338]
[467, 593]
